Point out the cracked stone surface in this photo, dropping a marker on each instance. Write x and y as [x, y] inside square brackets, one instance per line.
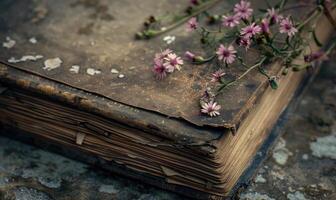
[301, 166]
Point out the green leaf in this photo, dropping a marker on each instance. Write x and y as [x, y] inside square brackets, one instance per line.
[273, 83]
[318, 43]
[262, 10]
[285, 71]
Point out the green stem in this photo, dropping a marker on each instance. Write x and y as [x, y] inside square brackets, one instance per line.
[296, 7]
[329, 16]
[332, 46]
[205, 60]
[146, 34]
[241, 76]
[210, 31]
[313, 16]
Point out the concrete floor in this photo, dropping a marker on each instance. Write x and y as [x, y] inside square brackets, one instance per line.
[301, 166]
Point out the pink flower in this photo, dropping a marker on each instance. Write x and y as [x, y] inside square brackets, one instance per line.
[265, 26]
[316, 56]
[194, 2]
[166, 62]
[226, 54]
[162, 55]
[159, 70]
[286, 26]
[211, 108]
[250, 31]
[328, 4]
[189, 56]
[216, 77]
[172, 62]
[273, 16]
[192, 24]
[245, 42]
[230, 21]
[243, 9]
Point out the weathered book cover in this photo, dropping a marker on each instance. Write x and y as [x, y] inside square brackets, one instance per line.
[72, 73]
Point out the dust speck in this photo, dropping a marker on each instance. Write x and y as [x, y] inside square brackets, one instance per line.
[92, 71]
[74, 69]
[114, 71]
[33, 40]
[9, 43]
[169, 39]
[52, 63]
[25, 58]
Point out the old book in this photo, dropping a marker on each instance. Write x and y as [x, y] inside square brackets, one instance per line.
[73, 75]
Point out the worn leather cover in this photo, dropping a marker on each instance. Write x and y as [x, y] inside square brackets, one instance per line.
[99, 34]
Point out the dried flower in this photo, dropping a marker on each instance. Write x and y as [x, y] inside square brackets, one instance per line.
[194, 2]
[265, 26]
[286, 26]
[226, 54]
[192, 24]
[315, 56]
[245, 42]
[243, 9]
[216, 76]
[208, 96]
[211, 108]
[189, 56]
[273, 16]
[250, 30]
[230, 21]
[172, 62]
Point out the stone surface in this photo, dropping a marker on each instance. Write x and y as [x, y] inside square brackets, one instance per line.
[308, 172]
[302, 164]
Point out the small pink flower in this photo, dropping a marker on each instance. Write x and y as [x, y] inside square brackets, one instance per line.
[273, 16]
[216, 76]
[243, 9]
[189, 56]
[192, 24]
[316, 56]
[226, 54]
[194, 2]
[211, 109]
[265, 26]
[250, 31]
[172, 62]
[245, 42]
[166, 62]
[286, 26]
[159, 70]
[328, 4]
[162, 55]
[230, 21]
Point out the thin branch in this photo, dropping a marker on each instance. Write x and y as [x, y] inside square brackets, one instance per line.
[329, 16]
[154, 33]
[241, 76]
